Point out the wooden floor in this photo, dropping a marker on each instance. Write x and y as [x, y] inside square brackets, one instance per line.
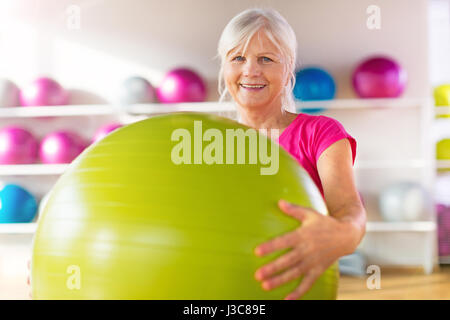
[397, 284]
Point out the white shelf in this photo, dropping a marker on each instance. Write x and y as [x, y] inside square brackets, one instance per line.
[158, 108]
[443, 164]
[421, 226]
[397, 164]
[18, 228]
[365, 103]
[329, 104]
[57, 111]
[416, 226]
[209, 107]
[32, 169]
[90, 110]
[444, 260]
[442, 110]
[57, 169]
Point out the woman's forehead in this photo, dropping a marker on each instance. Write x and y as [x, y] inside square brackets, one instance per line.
[259, 44]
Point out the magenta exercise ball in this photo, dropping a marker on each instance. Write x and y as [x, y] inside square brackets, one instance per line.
[104, 131]
[182, 85]
[61, 147]
[17, 146]
[43, 92]
[379, 77]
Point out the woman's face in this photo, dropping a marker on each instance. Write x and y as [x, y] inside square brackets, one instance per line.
[256, 78]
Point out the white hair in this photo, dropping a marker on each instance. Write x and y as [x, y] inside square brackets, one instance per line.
[243, 27]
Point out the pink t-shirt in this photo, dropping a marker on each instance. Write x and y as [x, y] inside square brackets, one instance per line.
[308, 136]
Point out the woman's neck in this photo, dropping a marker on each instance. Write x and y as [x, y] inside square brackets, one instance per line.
[266, 119]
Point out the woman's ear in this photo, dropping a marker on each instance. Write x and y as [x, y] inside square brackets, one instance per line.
[288, 75]
[288, 79]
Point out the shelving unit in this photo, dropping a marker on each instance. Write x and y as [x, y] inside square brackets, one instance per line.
[32, 169]
[442, 110]
[58, 169]
[208, 107]
[376, 230]
[372, 103]
[416, 226]
[58, 111]
[394, 144]
[411, 163]
[442, 130]
[443, 164]
[18, 228]
[420, 226]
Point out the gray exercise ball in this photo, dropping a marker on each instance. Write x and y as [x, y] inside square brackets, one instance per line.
[9, 93]
[136, 90]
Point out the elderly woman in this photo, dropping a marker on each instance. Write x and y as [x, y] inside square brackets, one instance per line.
[258, 53]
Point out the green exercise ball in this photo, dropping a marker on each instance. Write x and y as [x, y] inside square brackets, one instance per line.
[443, 149]
[442, 98]
[128, 221]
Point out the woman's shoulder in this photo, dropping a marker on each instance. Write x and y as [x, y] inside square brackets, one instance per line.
[309, 128]
[316, 118]
[314, 121]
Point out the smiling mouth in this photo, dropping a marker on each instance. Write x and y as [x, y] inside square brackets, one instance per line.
[252, 86]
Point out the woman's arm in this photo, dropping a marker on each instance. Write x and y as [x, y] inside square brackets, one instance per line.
[320, 240]
[341, 196]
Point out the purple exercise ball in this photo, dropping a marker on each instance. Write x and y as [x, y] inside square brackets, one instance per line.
[379, 77]
[181, 85]
[104, 131]
[43, 92]
[17, 146]
[61, 147]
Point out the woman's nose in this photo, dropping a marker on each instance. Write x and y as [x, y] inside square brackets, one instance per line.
[252, 68]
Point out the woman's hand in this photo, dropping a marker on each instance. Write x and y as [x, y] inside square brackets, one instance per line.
[315, 245]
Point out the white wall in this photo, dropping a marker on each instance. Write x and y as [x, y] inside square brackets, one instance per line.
[118, 38]
[439, 35]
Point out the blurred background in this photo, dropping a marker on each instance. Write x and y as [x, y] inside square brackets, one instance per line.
[72, 71]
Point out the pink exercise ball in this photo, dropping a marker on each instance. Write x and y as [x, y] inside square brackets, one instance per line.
[104, 131]
[17, 146]
[379, 77]
[181, 85]
[61, 147]
[43, 92]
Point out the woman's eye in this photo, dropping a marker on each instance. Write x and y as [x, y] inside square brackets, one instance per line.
[266, 59]
[238, 58]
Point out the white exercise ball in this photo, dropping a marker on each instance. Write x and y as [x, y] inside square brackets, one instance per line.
[442, 189]
[404, 201]
[136, 90]
[9, 93]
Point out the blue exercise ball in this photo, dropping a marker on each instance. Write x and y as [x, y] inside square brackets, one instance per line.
[311, 84]
[17, 205]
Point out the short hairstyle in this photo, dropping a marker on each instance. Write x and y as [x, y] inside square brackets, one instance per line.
[243, 27]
